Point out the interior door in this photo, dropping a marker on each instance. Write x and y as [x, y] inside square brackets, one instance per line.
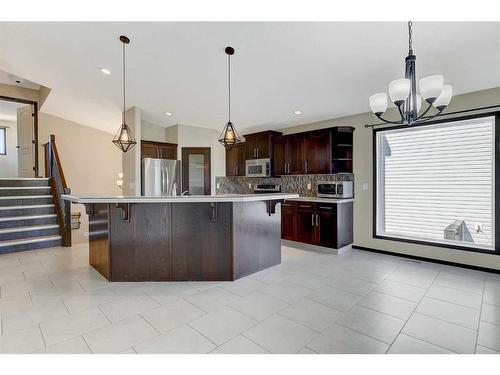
[25, 146]
[196, 175]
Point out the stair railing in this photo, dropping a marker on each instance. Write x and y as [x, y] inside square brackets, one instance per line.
[58, 186]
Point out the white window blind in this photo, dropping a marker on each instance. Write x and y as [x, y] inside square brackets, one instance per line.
[436, 183]
[3, 141]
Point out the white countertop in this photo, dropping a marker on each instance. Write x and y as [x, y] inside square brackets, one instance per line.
[321, 200]
[185, 199]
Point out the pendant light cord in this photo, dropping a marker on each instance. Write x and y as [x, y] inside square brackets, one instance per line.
[410, 41]
[229, 84]
[123, 116]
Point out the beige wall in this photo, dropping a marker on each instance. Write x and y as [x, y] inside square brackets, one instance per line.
[131, 160]
[152, 132]
[8, 162]
[192, 136]
[363, 206]
[89, 159]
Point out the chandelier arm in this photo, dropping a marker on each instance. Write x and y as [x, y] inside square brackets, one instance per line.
[424, 113]
[387, 121]
[420, 120]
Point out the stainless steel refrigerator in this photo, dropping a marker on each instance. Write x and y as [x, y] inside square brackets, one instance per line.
[161, 177]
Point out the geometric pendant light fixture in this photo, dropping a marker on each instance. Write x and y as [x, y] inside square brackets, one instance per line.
[124, 138]
[229, 136]
[403, 93]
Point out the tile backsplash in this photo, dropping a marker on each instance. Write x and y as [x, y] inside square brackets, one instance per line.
[289, 184]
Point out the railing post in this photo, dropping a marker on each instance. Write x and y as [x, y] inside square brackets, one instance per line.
[67, 220]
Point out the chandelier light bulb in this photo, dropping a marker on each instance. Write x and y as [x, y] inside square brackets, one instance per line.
[444, 99]
[431, 87]
[399, 89]
[378, 103]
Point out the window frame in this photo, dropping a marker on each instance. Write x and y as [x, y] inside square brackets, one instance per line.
[496, 162]
[4, 129]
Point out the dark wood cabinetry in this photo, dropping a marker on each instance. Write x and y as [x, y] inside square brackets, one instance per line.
[318, 152]
[314, 223]
[342, 149]
[260, 145]
[235, 160]
[158, 150]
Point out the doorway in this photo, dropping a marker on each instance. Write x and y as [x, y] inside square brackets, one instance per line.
[196, 174]
[18, 138]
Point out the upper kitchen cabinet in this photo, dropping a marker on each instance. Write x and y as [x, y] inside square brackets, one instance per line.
[342, 150]
[158, 150]
[235, 160]
[288, 155]
[318, 152]
[260, 145]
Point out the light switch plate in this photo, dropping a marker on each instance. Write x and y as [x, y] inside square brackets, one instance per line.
[249, 186]
[365, 186]
[218, 185]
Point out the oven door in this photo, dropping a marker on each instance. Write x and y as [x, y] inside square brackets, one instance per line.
[258, 168]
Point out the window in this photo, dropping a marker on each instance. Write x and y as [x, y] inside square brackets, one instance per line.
[436, 183]
[3, 142]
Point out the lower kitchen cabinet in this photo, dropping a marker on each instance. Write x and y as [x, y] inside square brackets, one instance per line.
[322, 224]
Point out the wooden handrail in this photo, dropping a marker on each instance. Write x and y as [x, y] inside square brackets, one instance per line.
[58, 187]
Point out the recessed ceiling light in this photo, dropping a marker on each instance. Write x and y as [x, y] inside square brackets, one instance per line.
[168, 113]
[297, 112]
[105, 71]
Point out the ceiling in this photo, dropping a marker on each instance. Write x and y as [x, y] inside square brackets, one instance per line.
[11, 79]
[325, 70]
[8, 110]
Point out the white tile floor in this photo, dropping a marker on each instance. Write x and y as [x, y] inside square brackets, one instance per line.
[51, 301]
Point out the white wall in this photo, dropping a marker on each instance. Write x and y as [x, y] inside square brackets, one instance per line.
[8, 163]
[152, 132]
[193, 136]
[131, 160]
[363, 167]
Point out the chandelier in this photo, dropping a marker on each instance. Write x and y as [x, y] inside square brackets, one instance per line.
[229, 136]
[124, 139]
[403, 93]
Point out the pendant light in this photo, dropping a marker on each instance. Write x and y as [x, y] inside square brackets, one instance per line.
[124, 138]
[229, 137]
[403, 93]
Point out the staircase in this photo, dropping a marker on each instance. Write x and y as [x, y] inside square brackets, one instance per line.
[28, 218]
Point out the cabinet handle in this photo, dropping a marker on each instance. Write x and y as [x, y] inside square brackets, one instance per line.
[288, 167]
[213, 212]
[257, 152]
[317, 220]
[254, 152]
[304, 206]
[312, 220]
[325, 208]
[306, 166]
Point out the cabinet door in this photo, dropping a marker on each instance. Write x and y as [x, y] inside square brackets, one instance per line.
[288, 221]
[294, 154]
[250, 147]
[326, 229]
[231, 162]
[305, 226]
[263, 145]
[278, 162]
[240, 165]
[318, 152]
[168, 152]
[149, 151]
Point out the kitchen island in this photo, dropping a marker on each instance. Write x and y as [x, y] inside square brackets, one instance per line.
[191, 238]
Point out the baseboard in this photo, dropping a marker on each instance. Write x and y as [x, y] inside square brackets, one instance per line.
[468, 266]
[308, 247]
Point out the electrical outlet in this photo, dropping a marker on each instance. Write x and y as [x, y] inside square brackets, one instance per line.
[218, 185]
[309, 187]
[250, 186]
[365, 186]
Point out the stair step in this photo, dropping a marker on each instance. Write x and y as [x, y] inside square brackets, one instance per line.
[25, 197]
[22, 182]
[26, 207]
[23, 187]
[31, 240]
[28, 228]
[27, 217]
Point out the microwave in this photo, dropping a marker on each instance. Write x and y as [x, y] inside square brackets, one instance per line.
[335, 189]
[258, 168]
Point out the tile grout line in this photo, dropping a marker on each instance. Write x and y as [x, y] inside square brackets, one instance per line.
[430, 343]
[413, 312]
[480, 314]
[86, 343]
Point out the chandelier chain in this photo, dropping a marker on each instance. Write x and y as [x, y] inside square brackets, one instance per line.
[410, 41]
[229, 85]
[123, 115]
